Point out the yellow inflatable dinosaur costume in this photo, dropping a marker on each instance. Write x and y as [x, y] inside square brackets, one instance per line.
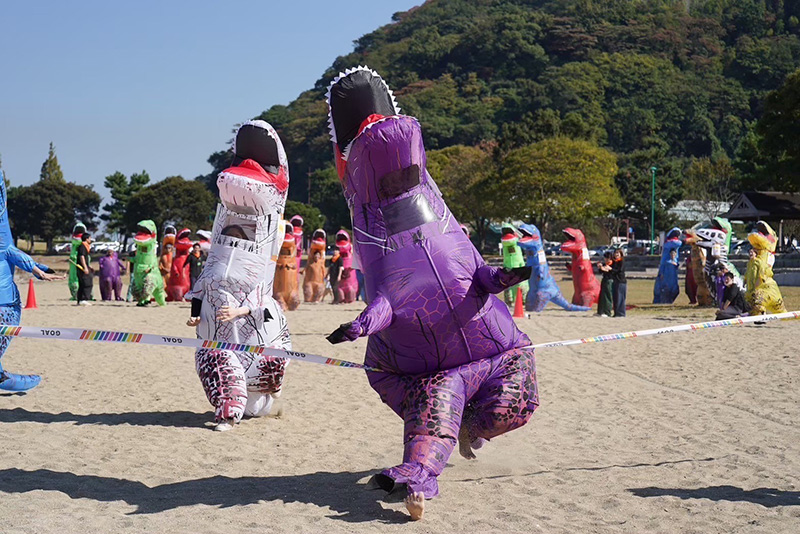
[762, 293]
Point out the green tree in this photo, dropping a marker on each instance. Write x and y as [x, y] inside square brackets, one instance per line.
[185, 203]
[326, 195]
[51, 170]
[122, 189]
[779, 130]
[558, 179]
[49, 208]
[711, 183]
[312, 217]
[465, 175]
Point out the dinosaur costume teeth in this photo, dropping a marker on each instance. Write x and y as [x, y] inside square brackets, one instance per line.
[239, 273]
[459, 365]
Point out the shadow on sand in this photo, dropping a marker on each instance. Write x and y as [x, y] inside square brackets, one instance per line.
[178, 419]
[341, 492]
[767, 497]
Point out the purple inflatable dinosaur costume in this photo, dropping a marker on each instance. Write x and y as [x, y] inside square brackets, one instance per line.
[458, 370]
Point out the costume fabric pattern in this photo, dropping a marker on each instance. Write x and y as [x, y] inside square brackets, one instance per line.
[247, 234]
[458, 363]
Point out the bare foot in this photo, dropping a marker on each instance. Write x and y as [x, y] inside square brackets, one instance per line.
[415, 504]
[464, 448]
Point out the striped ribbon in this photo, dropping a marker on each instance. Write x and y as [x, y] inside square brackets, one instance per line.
[671, 329]
[108, 336]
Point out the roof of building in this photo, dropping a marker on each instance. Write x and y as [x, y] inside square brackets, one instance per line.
[766, 205]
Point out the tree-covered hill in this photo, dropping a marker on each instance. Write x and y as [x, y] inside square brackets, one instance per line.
[658, 82]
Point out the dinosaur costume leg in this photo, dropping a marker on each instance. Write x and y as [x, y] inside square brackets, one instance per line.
[489, 397]
[10, 381]
[223, 379]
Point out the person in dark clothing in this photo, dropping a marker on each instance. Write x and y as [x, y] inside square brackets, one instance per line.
[85, 271]
[733, 303]
[606, 303]
[195, 261]
[620, 283]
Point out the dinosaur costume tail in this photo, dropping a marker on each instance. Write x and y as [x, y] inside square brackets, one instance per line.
[561, 301]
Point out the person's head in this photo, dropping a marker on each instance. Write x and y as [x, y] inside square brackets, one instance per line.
[109, 252]
[752, 253]
[727, 278]
[317, 255]
[617, 254]
[233, 230]
[86, 238]
[196, 248]
[168, 248]
[673, 254]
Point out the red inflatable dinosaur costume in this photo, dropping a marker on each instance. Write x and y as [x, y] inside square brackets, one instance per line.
[587, 289]
[179, 280]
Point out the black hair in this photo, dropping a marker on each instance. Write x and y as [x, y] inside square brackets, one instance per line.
[728, 275]
[85, 236]
[607, 254]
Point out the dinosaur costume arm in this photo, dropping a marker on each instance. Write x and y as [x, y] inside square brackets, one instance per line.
[492, 280]
[376, 317]
[23, 261]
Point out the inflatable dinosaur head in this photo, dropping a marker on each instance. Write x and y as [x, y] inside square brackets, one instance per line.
[343, 242]
[146, 237]
[382, 165]
[691, 237]
[318, 241]
[708, 237]
[531, 237]
[574, 241]
[252, 193]
[204, 238]
[289, 245]
[77, 232]
[297, 225]
[183, 243]
[763, 237]
[674, 233]
[169, 236]
[509, 238]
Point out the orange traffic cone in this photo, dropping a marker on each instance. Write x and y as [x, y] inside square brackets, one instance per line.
[31, 303]
[519, 307]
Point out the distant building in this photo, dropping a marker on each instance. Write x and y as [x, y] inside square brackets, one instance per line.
[698, 210]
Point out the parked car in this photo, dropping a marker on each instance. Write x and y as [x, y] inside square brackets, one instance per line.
[63, 248]
[741, 249]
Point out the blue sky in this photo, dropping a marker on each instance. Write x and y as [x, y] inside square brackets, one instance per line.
[157, 85]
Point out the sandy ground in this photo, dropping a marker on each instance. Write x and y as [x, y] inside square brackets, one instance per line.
[694, 432]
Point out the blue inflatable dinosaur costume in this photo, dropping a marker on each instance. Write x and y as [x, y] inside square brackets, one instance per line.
[666, 289]
[10, 303]
[542, 287]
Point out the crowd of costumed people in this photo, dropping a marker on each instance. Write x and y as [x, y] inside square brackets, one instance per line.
[443, 351]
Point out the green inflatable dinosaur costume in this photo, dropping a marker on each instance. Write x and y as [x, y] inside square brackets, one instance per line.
[147, 283]
[512, 258]
[77, 232]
